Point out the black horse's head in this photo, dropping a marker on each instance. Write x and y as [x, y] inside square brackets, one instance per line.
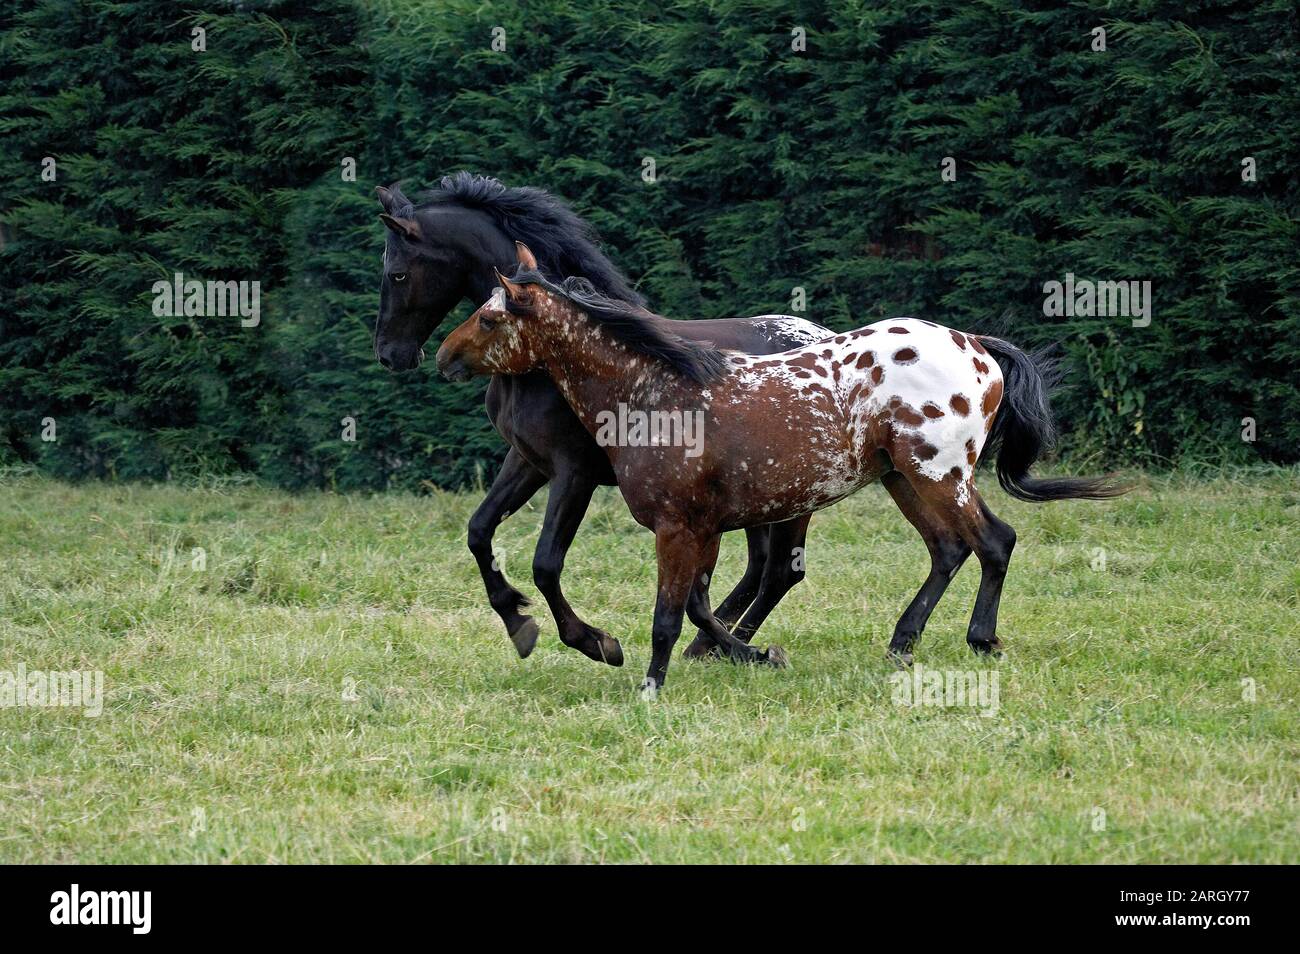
[450, 246]
[424, 278]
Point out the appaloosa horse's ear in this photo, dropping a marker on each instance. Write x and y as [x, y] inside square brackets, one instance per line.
[525, 257]
[407, 228]
[516, 292]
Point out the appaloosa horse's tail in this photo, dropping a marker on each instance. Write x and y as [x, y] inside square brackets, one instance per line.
[1023, 429]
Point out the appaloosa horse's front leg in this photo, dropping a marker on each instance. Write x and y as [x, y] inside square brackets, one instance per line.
[516, 482]
[571, 492]
[686, 558]
[679, 555]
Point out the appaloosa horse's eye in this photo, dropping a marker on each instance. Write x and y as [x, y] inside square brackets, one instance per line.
[486, 324]
[398, 276]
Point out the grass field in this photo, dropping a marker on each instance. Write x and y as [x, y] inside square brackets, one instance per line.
[331, 686]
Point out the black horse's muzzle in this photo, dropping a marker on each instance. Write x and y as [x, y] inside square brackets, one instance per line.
[399, 357]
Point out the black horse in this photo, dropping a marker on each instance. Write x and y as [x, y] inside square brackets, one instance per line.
[447, 249]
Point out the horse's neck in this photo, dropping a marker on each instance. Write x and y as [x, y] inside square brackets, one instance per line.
[488, 247]
[485, 248]
[594, 374]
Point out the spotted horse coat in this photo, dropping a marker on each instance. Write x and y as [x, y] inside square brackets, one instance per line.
[901, 393]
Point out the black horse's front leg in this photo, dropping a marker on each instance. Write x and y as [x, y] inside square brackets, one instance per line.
[785, 569]
[516, 482]
[571, 492]
[738, 600]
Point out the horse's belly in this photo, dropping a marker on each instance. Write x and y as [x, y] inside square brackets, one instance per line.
[784, 486]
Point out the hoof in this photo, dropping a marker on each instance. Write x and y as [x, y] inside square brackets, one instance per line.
[649, 690]
[775, 657]
[901, 658]
[524, 636]
[702, 648]
[598, 645]
[611, 650]
[991, 648]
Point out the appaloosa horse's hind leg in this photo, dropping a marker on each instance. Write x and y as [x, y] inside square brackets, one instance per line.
[993, 540]
[571, 492]
[515, 483]
[958, 505]
[948, 551]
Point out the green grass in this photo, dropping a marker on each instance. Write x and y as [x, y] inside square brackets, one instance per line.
[1121, 690]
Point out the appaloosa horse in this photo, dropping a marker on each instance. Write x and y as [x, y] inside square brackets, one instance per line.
[444, 251]
[904, 401]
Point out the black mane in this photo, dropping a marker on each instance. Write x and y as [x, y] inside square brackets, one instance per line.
[563, 243]
[639, 329]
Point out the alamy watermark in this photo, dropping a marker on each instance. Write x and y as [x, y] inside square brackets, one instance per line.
[133, 909]
[1088, 299]
[180, 298]
[947, 688]
[629, 427]
[37, 688]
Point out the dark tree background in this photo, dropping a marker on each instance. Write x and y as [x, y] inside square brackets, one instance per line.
[776, 169]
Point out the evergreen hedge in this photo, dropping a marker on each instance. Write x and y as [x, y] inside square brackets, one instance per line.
[776, 169]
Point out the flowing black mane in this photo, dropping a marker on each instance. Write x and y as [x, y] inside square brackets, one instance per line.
[639, 329]
[564, 244]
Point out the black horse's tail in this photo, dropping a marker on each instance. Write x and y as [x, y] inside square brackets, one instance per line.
[1023, 428]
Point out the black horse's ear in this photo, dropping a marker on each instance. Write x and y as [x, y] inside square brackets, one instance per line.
[525, 257]
[385, 198]
[407, 228]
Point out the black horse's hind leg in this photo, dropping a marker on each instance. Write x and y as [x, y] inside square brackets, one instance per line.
[947, 553]
[514, 485]
[784, 571]
[992, 540]
[570, 494]
[739, 599]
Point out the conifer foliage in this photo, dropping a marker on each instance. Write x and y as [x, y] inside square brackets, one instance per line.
[846, 161]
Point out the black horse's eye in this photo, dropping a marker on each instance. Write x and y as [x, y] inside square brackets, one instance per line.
[486, 323]
[398, 276]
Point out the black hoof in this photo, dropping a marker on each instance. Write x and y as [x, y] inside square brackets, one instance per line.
[524, 636]
[598, 645]
[992, 647]
[901, 658]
